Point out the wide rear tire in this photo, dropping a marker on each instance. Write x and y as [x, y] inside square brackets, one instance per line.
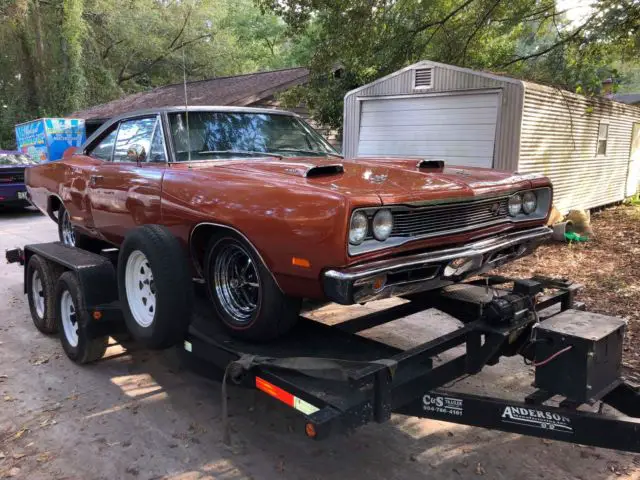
[69, 235]
[155, 286]
[245, 296]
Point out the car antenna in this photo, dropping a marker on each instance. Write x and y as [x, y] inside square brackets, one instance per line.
[186, 103]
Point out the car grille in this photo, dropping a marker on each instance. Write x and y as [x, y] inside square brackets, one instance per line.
[450, 218]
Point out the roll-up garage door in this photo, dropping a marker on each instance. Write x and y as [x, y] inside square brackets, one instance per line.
[459, 129]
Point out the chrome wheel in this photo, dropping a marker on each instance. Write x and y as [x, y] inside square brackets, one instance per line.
[140, 288]
[37, 294]
[66, 228]
[236, 282]
[69, 318]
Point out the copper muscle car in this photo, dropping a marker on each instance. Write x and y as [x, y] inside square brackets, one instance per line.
[270, 214]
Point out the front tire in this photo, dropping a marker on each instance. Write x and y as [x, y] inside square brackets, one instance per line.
[245, 296]
[73, 320]
[154, 285]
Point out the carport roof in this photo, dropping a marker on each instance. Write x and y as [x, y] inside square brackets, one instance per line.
[238, 90]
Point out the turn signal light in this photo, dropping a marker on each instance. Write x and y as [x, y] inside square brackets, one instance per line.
[97, 315]
[310, 430]
[300, 262]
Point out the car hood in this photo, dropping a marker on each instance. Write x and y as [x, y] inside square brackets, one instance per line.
[392, 180]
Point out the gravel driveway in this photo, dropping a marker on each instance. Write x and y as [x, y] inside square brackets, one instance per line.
[139, 416]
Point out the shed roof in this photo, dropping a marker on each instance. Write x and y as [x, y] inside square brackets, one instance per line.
[237, 90]
[632, 98]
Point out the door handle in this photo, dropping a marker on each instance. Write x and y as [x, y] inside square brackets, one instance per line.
[93, 179]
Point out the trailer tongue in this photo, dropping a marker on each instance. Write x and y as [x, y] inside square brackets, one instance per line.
[339, 380]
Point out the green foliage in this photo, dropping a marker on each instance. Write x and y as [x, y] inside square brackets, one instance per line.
[529, 39]
[60, 56]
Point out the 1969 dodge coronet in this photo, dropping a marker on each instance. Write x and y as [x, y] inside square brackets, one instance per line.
[267, 214]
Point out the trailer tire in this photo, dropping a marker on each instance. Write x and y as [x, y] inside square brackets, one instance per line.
[269, 313]
[41, 277]
[73, 320]
[155, 286]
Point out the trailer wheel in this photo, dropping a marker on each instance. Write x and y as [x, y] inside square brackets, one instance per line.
[244, 294]
[154, 285]
[41, 279]
[73, 319]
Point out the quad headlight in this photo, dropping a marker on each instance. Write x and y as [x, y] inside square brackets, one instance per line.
[529, 202]
[382, 225]
[358, 228]
[515, 204]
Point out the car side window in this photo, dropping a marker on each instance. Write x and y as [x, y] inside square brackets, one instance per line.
[104, 149]
[157, 145]
[134, 140]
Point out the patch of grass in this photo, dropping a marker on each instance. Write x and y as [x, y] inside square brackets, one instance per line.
[634, 200]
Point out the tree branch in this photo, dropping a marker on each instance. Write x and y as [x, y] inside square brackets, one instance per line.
[550, 48]
[480, 24]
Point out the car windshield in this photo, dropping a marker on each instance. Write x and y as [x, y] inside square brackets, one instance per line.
[16, 159]
[224, 135]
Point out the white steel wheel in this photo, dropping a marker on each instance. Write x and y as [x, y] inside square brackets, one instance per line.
[69, 318]
[66, 230]
[37, 294]
[140, 289]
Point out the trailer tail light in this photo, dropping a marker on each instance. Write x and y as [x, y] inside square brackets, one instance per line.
[285, 397]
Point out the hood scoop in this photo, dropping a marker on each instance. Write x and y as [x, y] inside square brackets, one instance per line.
[431, 165]
[324, 170]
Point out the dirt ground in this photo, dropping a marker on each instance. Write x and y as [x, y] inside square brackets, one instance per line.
[139, 415]
[608, 266]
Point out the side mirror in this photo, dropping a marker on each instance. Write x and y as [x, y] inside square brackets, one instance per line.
[136, 153]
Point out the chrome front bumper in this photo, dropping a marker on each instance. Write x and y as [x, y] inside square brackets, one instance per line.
[426, 271]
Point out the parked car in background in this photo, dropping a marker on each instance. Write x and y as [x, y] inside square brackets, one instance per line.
[269, 214]
[13, 192]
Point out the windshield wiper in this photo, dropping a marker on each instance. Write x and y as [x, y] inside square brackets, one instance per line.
[302, 150]
[239, 152]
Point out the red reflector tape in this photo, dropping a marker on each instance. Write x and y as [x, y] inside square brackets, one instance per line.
[285, 397]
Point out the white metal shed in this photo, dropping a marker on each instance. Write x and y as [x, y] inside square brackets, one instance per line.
[589, 147]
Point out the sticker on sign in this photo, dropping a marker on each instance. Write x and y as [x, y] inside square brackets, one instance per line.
[532, 417]
[442, 404]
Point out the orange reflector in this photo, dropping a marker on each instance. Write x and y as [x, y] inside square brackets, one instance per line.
[300, 262]
[97, 314]
[310, 430]
[379, 282]
[285, 397]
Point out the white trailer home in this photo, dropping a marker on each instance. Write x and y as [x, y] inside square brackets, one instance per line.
[589, 147]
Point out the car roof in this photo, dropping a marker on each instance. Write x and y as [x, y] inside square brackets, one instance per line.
[200, 108]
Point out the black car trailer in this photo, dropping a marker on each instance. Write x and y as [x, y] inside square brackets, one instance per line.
[339, 380]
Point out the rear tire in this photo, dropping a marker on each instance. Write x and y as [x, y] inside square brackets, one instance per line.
[41, 277]
[73, 320]
[155, 286]
[69, 235]
[244, 294]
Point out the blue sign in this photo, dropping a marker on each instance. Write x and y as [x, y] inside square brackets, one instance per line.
[47, 139]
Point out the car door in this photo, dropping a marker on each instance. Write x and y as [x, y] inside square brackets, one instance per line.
[125, 191]
[79, 169]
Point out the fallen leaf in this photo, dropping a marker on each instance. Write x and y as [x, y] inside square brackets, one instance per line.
[480, 469]
[14, 472]
[19, 433]
[8, 398]
[2, 456]
[43, 457]
[18, 456]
